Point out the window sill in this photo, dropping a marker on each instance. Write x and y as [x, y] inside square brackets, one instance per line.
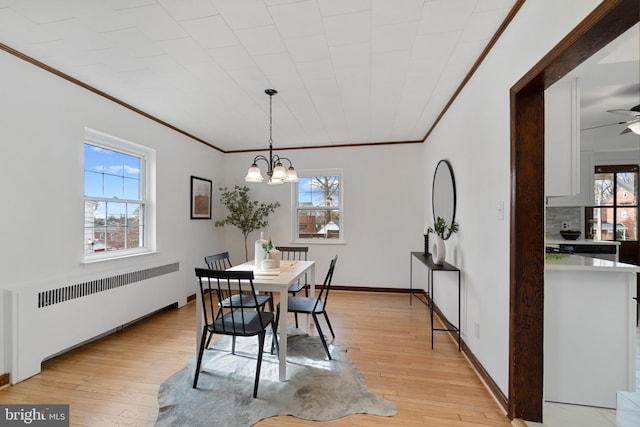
[319, 242]
[114, 256]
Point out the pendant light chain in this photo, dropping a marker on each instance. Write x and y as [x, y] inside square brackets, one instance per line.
[270, 119]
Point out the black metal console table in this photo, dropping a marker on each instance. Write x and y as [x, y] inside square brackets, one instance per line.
[446, 267]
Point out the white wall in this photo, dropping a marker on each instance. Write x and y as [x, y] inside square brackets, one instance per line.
[383, 214]
[474, 136]
[42, 121]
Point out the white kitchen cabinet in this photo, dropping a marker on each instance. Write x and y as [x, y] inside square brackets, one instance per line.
[562, 138]
[589, 330]
[584, 197]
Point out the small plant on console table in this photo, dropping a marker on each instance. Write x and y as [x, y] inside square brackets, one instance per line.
[441, 226]
[439, 250]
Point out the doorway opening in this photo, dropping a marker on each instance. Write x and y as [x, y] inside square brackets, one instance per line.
[609, 20]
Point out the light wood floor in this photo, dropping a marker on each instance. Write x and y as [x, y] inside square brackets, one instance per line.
[114, 381]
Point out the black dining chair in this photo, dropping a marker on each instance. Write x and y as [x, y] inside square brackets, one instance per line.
[221, 261]
[314, 305]
[296, 253]
[237, 319]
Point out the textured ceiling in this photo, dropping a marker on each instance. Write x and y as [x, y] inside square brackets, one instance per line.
[610, 80]
[347, 71]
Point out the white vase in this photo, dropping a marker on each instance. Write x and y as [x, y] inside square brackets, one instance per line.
[259, 252]
[438, 250]
[274, 254]
[268, 264]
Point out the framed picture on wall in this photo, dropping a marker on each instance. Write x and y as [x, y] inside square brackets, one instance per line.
[200, 198]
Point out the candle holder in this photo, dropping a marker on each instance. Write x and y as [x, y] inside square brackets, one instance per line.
[426, 244]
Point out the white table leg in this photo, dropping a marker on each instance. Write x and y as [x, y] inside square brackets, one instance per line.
[312, 280]
[284, 304]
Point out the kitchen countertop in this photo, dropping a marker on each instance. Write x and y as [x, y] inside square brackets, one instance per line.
[583, 263]
[580, 242]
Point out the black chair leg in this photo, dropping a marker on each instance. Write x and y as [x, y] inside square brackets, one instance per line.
[329, 323]
[208, 341]
[324, 341]
[233, 344]
[271, 302]
[200, 353]
[296, 316]
[260, 351]
[274, 341]
[275, 329]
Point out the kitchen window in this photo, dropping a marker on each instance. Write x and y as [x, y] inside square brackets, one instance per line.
[317, 207]
[116, 197]
[615, 210]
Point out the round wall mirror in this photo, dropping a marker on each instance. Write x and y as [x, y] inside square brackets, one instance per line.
[443, 194]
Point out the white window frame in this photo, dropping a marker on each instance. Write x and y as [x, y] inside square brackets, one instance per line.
[295, 208]
[147, 197]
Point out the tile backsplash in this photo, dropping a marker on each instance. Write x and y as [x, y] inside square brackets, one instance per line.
[557, 216]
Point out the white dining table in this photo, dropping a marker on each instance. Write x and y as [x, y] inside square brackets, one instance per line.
[274, 280]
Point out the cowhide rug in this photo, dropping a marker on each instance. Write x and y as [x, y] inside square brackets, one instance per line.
[316, 388]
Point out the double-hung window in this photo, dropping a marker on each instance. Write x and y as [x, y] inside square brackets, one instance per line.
[615, 210]
[318, 210]
[116, 196]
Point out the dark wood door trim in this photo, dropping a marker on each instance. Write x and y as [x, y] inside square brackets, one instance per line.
[610, 19]
[526, 261]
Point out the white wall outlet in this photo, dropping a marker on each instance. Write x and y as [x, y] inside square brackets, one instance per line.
[565, 226]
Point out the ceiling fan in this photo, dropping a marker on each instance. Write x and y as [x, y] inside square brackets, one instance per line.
[633, 125]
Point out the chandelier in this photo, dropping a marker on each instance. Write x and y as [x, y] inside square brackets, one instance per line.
[276, 172]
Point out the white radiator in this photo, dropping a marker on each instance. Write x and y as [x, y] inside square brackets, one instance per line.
[47, 321]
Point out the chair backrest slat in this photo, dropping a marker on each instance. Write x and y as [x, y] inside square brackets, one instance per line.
[326, 285]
